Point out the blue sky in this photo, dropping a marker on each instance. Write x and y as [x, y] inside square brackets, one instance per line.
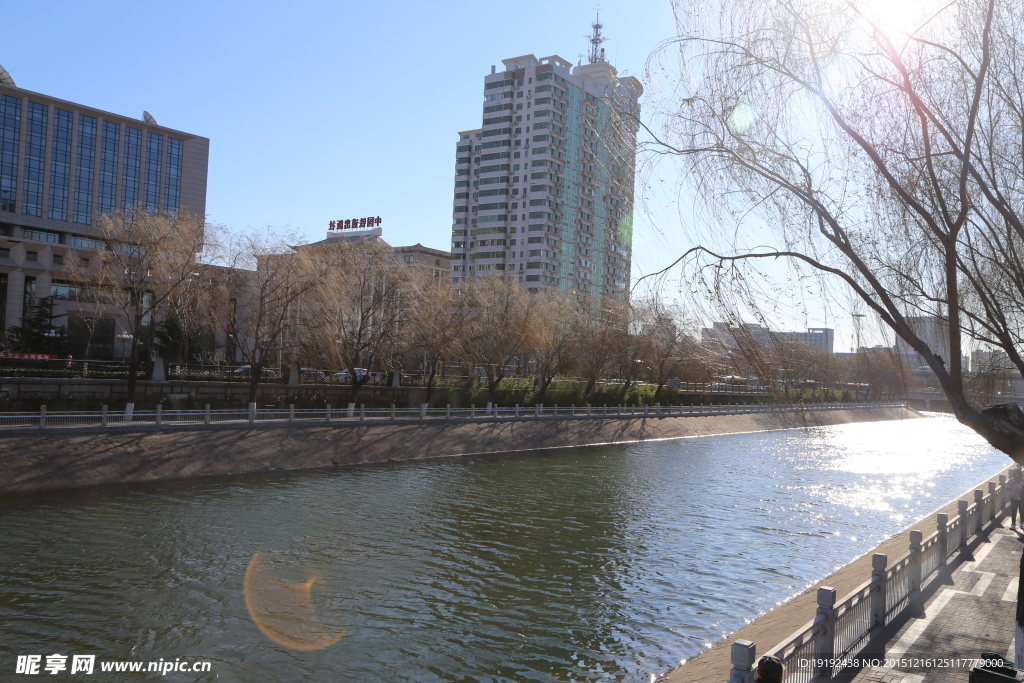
[314, 110]
[321, 110]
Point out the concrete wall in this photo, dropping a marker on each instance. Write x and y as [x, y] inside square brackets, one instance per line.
[41, 461]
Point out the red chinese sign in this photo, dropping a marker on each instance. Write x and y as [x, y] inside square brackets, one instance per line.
[27, 356]
[355, 223]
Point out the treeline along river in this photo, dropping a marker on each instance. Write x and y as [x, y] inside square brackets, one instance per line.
[601, 563]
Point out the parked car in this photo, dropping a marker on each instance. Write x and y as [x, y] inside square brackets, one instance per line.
[343, 376]
[309, 375]
[246, 370]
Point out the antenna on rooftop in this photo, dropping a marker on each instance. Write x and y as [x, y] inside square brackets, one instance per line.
[596, 51]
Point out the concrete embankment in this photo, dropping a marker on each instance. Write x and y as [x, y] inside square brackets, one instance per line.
[61, 459]
[772, 628]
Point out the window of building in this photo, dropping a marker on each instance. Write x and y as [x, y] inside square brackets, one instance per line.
[58, 260]
[151, 179]
[107, 198]
[32, 256]
[131, 167]
[29, 296]
[5, 253]
[60, 165]
[172, 185]
[41, 235]
[10, 132]
[85, 164]
[35, 150]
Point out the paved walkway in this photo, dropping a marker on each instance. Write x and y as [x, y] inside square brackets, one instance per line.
[968, 611]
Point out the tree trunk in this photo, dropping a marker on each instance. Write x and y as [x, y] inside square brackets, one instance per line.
[255, 372]
[357, 384]
[545, 382]
[590, 388]
[133, 370]
[430, 381]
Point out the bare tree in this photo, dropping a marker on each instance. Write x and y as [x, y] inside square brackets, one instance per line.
[360, 308]
[666, 348]
[437, 322]
[147, 259]
[883, 163]
[263, 285]
[502, 315]
[595, 346]
[550, 338]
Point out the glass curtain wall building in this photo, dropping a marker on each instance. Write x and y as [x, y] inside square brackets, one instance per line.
[544, 188]
[61, 165]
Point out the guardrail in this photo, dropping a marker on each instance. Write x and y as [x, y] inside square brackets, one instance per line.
[170, 418]
[841, 629]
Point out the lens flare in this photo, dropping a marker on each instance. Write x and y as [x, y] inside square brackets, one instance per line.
[742, 117]
[283, 610]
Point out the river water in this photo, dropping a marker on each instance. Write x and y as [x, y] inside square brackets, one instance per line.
[604, 563]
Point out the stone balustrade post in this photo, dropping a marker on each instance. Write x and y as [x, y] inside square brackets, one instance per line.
[555, 409]
[393, 406]
[351, 410]
[1002, 492]
[588, 410]
[573, 410]
[42, 417]
[252, 413]
[824, 632]
[472, 410]
[327, 413]
[878, 590]
[447, 412]
[941, 526]
[992, 498]
[291, 412]
[160, 415]
[517, 410]
[362, 412]
[206, 415]
[914, 569]
[741, 656]
[979, 507]
[423, 410]
[965, 533]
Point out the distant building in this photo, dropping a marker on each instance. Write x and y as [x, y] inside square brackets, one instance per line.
[61, 165]
[544, 189]
[821, 338]
[418, 256]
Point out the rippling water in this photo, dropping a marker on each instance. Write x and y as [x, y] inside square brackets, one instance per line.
[589, 564]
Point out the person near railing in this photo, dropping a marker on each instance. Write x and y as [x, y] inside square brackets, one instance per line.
[1015, 487]
[769, 669]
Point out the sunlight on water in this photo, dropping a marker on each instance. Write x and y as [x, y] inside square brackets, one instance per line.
[606, 563]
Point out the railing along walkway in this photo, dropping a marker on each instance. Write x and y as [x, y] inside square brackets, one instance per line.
[842, 628]
[273, 416]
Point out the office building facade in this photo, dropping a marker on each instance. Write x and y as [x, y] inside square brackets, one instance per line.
[62, 165]
[544, 188]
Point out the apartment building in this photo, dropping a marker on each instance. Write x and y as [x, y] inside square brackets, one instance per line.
[61, 165]
[544, 188]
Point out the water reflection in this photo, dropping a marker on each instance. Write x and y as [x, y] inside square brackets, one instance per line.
[591, 564]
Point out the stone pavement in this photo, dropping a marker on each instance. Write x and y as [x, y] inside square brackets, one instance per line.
[968, 610]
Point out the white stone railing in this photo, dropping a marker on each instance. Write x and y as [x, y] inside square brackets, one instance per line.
[841, 629]
[274, 416]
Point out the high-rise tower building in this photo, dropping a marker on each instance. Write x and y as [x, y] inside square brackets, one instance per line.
[544, 188]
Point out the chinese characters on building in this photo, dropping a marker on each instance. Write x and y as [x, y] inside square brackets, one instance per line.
[351, 223]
